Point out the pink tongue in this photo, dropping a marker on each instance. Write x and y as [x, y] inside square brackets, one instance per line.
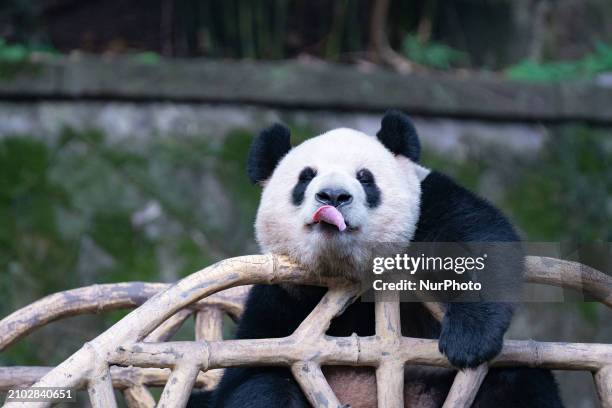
[330, 215]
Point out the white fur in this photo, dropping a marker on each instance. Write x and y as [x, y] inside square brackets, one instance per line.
[337, 156]
[422, 172]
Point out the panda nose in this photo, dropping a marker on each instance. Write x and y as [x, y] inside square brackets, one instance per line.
[334, 197]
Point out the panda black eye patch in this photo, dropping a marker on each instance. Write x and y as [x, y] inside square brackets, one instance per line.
[305, 177]
[366, 178]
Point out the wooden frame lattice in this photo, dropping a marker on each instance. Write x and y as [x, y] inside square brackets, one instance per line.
[134, 353]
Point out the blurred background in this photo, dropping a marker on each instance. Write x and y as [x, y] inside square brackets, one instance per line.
[124, 128]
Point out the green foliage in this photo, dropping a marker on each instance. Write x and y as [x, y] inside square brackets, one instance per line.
[147, 58]
[590, 311]
[67, 210]
[561, 194]
[15, 58]
[564, 194]
[13, 52]
[467, 173]
[32, 251]
[432, 54]
[232, 170]
[592, 64]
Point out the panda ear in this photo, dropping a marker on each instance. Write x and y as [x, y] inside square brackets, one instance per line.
[266, 151]
[397, 133]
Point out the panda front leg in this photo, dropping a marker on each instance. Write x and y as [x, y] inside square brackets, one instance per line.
[473, 333]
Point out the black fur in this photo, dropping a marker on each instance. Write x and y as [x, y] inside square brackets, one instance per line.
[366, 178]
[200, 399]
[398, 135]
[267, 149]
[470, 332]
[304, 179]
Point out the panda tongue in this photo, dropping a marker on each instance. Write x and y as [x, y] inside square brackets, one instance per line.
[330, 215]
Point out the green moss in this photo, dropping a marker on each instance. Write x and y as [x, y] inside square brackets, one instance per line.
[133, 253]
[194, 258]
[232, 168]
[432, 54]
[590, 311]
[559, 195]
[147, 58]
[29, 206]
[52, 198]
[600, 60]
[15, 60]
[564, 193]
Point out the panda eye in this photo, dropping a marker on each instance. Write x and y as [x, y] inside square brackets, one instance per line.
[307, 174]
[364, 176]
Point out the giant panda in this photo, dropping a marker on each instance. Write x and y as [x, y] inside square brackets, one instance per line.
[373, 190]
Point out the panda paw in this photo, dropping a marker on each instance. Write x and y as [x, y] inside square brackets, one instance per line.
[468, 341]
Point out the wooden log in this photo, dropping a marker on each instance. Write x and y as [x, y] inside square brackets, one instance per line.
[316, 388]
[571, 275]
[363, 351]
[90, 299]
[465, 387]
[390, 370]
[308, 347]
[554, 355]
[603, 384]
[161, 355]
[122, 377]
[138, 397]
[333, 303]
[209, 326]
[167, 329]
[101, 298]
[100, 388]
[179, 385]
[390, 384]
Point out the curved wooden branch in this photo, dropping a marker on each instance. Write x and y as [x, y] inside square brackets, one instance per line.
[465, 387]
[138, 397]
[308, 348]
[90, 299]
[362, 351]
[603, 383]
[209, 326]
[179, 385]
[168, 328]
[122, 377]
[571, 275]
[100, 387]
[389, 370]
[316, 388]
[101, 298]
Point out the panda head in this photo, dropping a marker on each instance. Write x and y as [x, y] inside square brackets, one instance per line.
[327, 201]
